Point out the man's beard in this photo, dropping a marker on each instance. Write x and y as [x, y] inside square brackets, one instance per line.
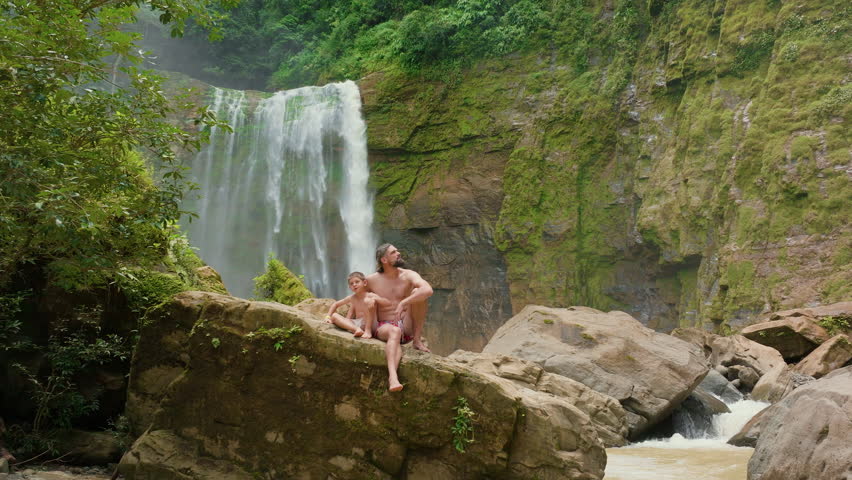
[399, 263]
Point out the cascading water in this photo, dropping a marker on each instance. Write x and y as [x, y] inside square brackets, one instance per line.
[290, 181]
[677, 458]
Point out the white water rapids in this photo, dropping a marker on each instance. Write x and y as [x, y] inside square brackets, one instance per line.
[291, 181]
[679, 458]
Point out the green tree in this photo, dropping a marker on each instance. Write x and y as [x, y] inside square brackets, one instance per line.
[79, 194]
[75, 192]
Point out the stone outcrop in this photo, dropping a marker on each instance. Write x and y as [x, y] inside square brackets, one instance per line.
[778, 383]
[793, 337]
[831, 355]
[839, 309]
[736, 350]
[649, 373]
[608, 416]
[736, 358]
[227, 388]
[806, 435]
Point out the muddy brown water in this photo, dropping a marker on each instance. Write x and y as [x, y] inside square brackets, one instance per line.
[680, 459]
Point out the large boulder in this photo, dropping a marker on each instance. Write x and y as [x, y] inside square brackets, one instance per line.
[778, 383]
[793, 337]
[609, 418]
[227, 388]
[829, 356]
[734, 356]
[743, 360]
[806, 435]
[839, 309]
[649, 373]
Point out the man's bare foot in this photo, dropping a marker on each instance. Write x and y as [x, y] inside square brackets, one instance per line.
[358, 332]
[396, 388]
[421, 347]
[367, 335]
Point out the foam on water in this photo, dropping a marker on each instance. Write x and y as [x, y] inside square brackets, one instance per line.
[678, 458]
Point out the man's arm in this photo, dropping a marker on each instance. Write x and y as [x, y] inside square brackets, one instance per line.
[421, 290]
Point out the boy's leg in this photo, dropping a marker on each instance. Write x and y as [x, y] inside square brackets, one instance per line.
[345, 324]
[393, 352]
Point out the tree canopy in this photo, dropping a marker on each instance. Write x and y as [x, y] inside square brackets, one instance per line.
[289, 43]
[75, 193]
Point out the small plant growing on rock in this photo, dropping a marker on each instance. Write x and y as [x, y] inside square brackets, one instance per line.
[462, 428]
[834, 325]
[293, 360]
[278, 335]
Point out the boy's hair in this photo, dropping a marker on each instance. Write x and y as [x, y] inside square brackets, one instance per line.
[356, 275]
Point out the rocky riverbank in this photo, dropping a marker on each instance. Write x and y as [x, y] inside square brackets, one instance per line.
[61, 473]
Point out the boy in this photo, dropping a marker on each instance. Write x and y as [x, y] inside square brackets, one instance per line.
[362, 307]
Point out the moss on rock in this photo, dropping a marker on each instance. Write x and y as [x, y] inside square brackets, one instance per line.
[279, 284]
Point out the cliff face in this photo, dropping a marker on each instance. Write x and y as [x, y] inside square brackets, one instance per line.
[694, 172]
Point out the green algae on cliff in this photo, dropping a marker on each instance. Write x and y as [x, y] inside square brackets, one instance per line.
[702, 190]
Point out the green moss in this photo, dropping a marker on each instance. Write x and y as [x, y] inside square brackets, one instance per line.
[750, 54]
[735, 149]
[146, 289]
[278, 284]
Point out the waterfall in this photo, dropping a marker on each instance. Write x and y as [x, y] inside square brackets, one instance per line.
[291, 181]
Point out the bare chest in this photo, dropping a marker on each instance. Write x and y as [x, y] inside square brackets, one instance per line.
[392, 290]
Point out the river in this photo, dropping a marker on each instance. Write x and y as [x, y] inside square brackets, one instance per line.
[679, 458]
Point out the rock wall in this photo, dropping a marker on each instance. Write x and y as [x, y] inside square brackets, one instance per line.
[686, 162]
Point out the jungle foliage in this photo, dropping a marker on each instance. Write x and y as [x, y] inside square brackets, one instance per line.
[79, 200]
[75, 191]
[297, 42]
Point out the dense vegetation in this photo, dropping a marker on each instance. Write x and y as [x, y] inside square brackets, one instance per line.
[81, 209]
[290, 43]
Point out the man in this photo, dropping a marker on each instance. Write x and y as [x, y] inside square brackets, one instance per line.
[406, 290]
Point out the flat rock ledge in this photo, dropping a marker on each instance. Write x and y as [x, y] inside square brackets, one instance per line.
[225, 388]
